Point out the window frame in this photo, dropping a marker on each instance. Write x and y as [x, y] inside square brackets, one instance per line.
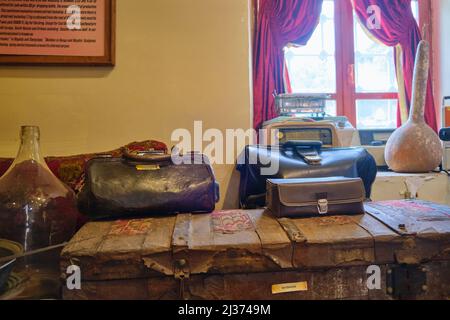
[346, 95]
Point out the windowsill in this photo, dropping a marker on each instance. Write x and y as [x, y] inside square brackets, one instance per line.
[433, 186]
[389, 174]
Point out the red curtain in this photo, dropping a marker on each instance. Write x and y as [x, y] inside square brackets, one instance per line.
[278, 23]
[397, 26]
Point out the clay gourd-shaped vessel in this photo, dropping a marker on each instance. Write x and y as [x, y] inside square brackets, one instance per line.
[415, 147]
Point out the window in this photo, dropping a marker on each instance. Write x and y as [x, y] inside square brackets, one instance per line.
[342, 60]
[312, 68]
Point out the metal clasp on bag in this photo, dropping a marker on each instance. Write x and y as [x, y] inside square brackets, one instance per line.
[322, 206]
[148, 167]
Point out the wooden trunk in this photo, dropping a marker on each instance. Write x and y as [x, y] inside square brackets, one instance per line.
[250, 255]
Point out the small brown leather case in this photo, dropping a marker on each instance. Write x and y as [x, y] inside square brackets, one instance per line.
[316, 196]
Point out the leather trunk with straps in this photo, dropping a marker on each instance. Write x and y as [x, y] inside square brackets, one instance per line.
[398, 250]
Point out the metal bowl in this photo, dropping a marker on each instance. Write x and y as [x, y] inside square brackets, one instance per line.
[7, 248]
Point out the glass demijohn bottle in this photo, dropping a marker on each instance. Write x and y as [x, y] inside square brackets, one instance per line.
[37, 210]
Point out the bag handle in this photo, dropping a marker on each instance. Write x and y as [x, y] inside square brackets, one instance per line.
[304, 144]
[309, 151]
[149, 156]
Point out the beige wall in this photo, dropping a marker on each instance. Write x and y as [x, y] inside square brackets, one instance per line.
[177, 61]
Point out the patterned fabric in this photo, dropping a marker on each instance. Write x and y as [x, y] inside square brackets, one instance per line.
[231, 221]
[130, 227]
[70, 169]
[419, 209]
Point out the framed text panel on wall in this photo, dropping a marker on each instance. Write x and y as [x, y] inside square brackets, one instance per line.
[61, 32]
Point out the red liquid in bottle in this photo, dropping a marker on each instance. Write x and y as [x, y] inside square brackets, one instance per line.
[36, 210]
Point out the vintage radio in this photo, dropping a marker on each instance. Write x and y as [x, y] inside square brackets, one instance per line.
[374, 140]
[332, 131]
[375, 137]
